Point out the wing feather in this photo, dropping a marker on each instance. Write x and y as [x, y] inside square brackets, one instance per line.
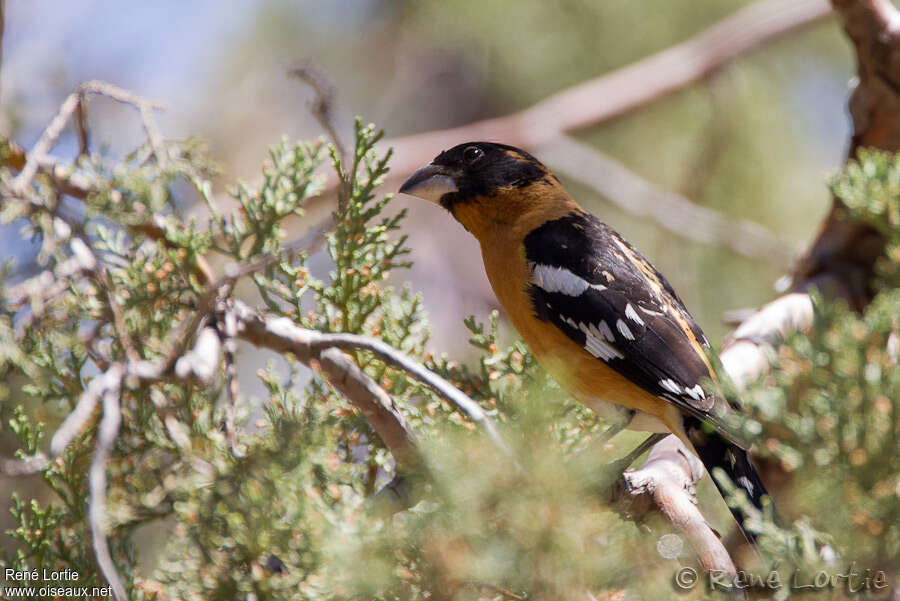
[607, 297]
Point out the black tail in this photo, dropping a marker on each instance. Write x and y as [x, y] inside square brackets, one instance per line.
[717, 451]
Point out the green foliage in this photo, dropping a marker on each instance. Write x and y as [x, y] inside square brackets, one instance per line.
[829, 410]
[290, 516]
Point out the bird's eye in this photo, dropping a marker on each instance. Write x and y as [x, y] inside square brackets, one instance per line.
[472, 154]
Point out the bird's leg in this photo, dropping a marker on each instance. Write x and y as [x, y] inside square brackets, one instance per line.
[626, 461]
[615, 428]
[612, 471]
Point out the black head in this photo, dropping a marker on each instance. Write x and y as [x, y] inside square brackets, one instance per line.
[474, 171]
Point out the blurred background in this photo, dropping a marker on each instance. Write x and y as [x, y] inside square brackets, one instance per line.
[756, 140]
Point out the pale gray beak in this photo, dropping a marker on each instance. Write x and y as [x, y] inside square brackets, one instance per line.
[430, 183]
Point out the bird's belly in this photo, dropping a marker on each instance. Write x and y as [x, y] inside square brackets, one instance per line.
[589, 379]
[592, 382]
[617, 414]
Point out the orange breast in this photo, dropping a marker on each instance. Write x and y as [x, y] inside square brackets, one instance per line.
[584, 376]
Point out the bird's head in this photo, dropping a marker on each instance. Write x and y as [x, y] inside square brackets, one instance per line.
[484, 183]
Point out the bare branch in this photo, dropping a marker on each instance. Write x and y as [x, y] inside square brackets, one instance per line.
[322, 107]
[201, 361]
[616, 93]
[621, 91]
[49, 283]
[69, 429]
[118, 317]
[106, 438]
[373, 402]
[282, 335]
[229, 347]
[54, 130]
[667, 478]
[27, 466]
[840, 262]
[746, 350]
[65, 179]
[846, 249]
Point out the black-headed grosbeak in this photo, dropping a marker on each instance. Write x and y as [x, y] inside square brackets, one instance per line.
[595, 313]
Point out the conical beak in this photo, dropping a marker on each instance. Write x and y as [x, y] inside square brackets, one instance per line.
[430, 183]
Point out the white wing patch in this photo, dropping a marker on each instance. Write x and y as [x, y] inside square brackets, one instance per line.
[696, 392]
[623, 329]
[599, 347]
[596, 340]
[671, 386]
[631, 314]
[560, 279]
[604, 329]
[746, 484]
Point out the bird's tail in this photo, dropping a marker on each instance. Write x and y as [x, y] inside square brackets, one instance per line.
[715, 450]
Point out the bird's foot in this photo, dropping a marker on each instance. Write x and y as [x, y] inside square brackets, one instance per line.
[615, 428]
[612, 471]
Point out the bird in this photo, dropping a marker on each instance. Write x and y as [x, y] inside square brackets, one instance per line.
[596, 314]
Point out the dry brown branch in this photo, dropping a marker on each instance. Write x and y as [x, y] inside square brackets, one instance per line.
[840, 262]
[625, 89]
[322, 108]
[621, 91]
[65, 179]
[846, 249]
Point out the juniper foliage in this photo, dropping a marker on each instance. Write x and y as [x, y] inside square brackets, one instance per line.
[291, 514]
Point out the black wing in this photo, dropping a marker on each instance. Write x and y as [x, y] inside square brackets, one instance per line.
[607, 297]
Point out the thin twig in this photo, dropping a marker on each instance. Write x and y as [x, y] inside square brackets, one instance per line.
[54, 130]
[81, 129]
[229, 348]
[118, 318]
[639, 450]
[322, 107]
[47, 141]
[323, 110]
[64, 178]
[106, 438]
